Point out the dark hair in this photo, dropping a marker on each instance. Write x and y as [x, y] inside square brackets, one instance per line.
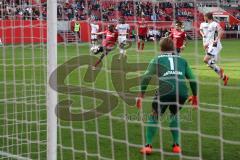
[111, 27]
[209, 15]
[166, 44]
[179, 23]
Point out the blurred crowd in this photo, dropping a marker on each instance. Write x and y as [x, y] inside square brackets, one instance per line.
[233, 27]
[105, 10]
[21, 9]
[134, 10]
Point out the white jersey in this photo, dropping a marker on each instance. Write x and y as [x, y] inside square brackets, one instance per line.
[122, 31]
[212, 31]
[213, 28]
[204, 28]
[94, 29]
[150, 32]
[155, 32]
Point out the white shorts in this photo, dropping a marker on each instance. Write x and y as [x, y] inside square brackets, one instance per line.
[93, 37]
[214, 50]
[122, 39]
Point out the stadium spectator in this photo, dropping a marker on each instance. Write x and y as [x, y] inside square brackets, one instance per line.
[133, 34]
[153, 34]
[238, 15]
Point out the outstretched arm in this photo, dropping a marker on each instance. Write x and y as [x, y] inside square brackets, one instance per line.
[202, 34]
[151, 70]
[185, 41]
[192, 80]
[193, 84]
[201, 30]
[100, 33]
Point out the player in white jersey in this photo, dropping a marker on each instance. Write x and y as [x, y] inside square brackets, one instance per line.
[204, 31]
[213, 46]
[94, 38]
[123, 30]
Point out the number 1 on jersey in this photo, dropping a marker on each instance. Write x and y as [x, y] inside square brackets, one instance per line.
[171, 63]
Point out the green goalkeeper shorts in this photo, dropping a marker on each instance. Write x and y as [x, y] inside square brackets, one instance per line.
[173, 102]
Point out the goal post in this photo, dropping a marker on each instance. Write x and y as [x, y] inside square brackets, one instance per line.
[51, 66]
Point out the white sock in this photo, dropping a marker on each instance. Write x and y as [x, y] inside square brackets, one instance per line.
[121, 51]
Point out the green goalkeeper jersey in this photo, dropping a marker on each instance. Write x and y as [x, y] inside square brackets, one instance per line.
[172, 72]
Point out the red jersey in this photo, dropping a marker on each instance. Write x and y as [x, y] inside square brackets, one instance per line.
[142, 29]
[111, 38]
[178, 37]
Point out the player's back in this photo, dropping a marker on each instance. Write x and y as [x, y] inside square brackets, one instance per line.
[172, 75]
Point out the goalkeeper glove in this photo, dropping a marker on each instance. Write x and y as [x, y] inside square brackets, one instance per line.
[194, 101]
[139, 101]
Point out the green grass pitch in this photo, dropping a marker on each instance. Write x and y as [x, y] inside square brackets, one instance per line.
[211, 132]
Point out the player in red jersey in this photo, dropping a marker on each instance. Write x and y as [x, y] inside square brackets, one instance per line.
[107, 44]
[179, 37]
[142, 33]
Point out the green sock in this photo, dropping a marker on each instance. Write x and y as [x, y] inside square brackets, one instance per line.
[174, 125]
[151, 130]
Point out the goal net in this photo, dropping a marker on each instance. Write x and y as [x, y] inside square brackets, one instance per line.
[53, 105]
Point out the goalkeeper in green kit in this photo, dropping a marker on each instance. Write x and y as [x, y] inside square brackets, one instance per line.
[172, 72]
